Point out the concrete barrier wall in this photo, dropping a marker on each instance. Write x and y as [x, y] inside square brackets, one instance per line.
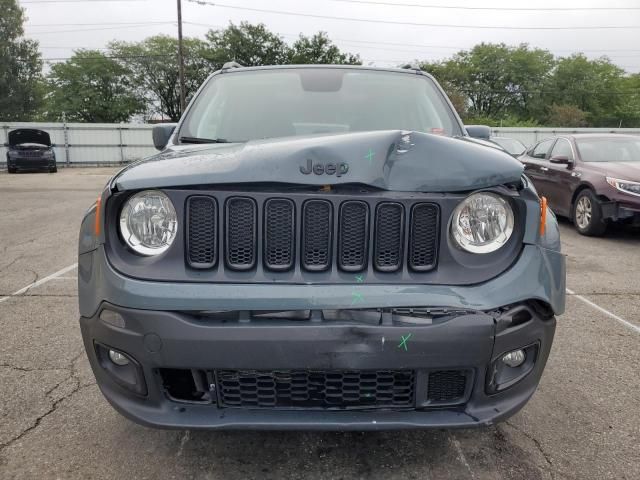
[86, 144]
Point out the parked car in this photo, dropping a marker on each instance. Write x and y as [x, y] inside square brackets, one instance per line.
[30, 149]
[513, 146]
[594, 179]
[310, 252]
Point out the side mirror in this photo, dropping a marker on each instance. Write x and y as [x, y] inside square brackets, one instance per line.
[561, 159]
[479, 131]
[161, 134]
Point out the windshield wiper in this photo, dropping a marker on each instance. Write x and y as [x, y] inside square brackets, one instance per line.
[204, 140]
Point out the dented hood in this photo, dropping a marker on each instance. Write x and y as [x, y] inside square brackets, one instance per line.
[390, 160]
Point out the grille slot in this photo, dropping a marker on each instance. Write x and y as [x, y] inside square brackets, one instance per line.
[354, 236]
[317, 225]
[316, 389]
[279, 234]
[388, 236]
[447, 386]
[423, 238]
[241, 233]
[202, 229]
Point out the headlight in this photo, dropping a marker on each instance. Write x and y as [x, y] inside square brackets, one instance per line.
[626, 186]
[482, 223]
[148, 222]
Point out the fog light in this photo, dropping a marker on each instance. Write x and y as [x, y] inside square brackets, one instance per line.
[514, 359]
[118, 358]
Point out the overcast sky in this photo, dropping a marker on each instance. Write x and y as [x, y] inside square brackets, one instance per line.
[56, 25]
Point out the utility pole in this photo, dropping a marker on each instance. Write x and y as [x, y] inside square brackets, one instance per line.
[181, 58]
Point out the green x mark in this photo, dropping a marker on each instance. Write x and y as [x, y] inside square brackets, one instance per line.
[359, 278]
[403, 343]
[369, 156]
[356, 298]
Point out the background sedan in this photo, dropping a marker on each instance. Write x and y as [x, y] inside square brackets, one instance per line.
[592, 179]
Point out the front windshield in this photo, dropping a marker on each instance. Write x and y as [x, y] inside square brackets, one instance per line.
[609, 149]
[511, 145]
[249, 105]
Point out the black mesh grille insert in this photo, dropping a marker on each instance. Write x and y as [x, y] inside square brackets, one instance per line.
[279, 238]
[241, 233]
[388, 236]
[354, 236]
[316, 389]
[316, 234]
[423, 237]
[446, 385]
[202, 227]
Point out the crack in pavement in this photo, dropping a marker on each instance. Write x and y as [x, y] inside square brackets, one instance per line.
[29, 369]
[19, 257]
[73, 375]
[538, 445]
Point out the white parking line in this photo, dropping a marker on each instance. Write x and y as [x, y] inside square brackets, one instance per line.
[40, 282]
[624, 322]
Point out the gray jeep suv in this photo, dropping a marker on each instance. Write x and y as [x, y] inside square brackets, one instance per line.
[319, 247]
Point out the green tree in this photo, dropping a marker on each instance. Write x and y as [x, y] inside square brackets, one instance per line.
[247, 44]
[20, 66]
[91, 87]
[319, 49]
[153, 68]
[592, 86]
[566, 116]
[497, 80]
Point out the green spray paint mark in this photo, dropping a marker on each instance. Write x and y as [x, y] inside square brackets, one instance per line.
[356, 297]
[369, 156]
[403, 343]
[359, 278]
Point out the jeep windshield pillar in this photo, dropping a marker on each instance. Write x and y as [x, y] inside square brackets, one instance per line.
[320, 247]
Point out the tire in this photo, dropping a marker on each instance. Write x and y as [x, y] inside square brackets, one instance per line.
[53, 169]
[587, 215]
[12, 169]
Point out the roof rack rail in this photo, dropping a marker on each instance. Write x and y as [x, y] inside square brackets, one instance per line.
[232, 64]
[411, 66]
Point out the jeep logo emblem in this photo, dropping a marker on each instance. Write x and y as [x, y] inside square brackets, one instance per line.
[337, 169]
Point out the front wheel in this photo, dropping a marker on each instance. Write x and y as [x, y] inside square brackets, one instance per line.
[53, 169]
[587, 215]
[12, 169]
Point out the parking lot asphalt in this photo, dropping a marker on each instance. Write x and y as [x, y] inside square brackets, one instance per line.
[583, 422]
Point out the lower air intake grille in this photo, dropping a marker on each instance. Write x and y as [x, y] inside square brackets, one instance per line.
[316, 234]
[316, 389]
[202, 225]
[447, 385]
[279, 235]
[241, 233]
[388, 236]
[423, 237]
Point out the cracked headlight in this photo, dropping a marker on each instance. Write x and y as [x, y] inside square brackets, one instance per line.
[148, 222]
[626, 186]
[482, 223]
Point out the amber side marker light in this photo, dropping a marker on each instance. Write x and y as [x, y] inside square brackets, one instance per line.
[97, 226]
[543, 215]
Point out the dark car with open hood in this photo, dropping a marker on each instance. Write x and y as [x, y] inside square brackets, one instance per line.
[319, 247]
[30, 149]
[593, 179]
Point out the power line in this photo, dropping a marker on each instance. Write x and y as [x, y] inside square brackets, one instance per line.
[512, 9]
[414, 24]
[78, 1]
[417, 45]
[145, 25]
[96, 24]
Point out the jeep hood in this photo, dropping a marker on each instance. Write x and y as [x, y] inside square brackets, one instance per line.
[389, 160]
[29, 135]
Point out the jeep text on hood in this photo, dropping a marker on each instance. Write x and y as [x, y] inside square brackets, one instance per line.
[319, 248]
